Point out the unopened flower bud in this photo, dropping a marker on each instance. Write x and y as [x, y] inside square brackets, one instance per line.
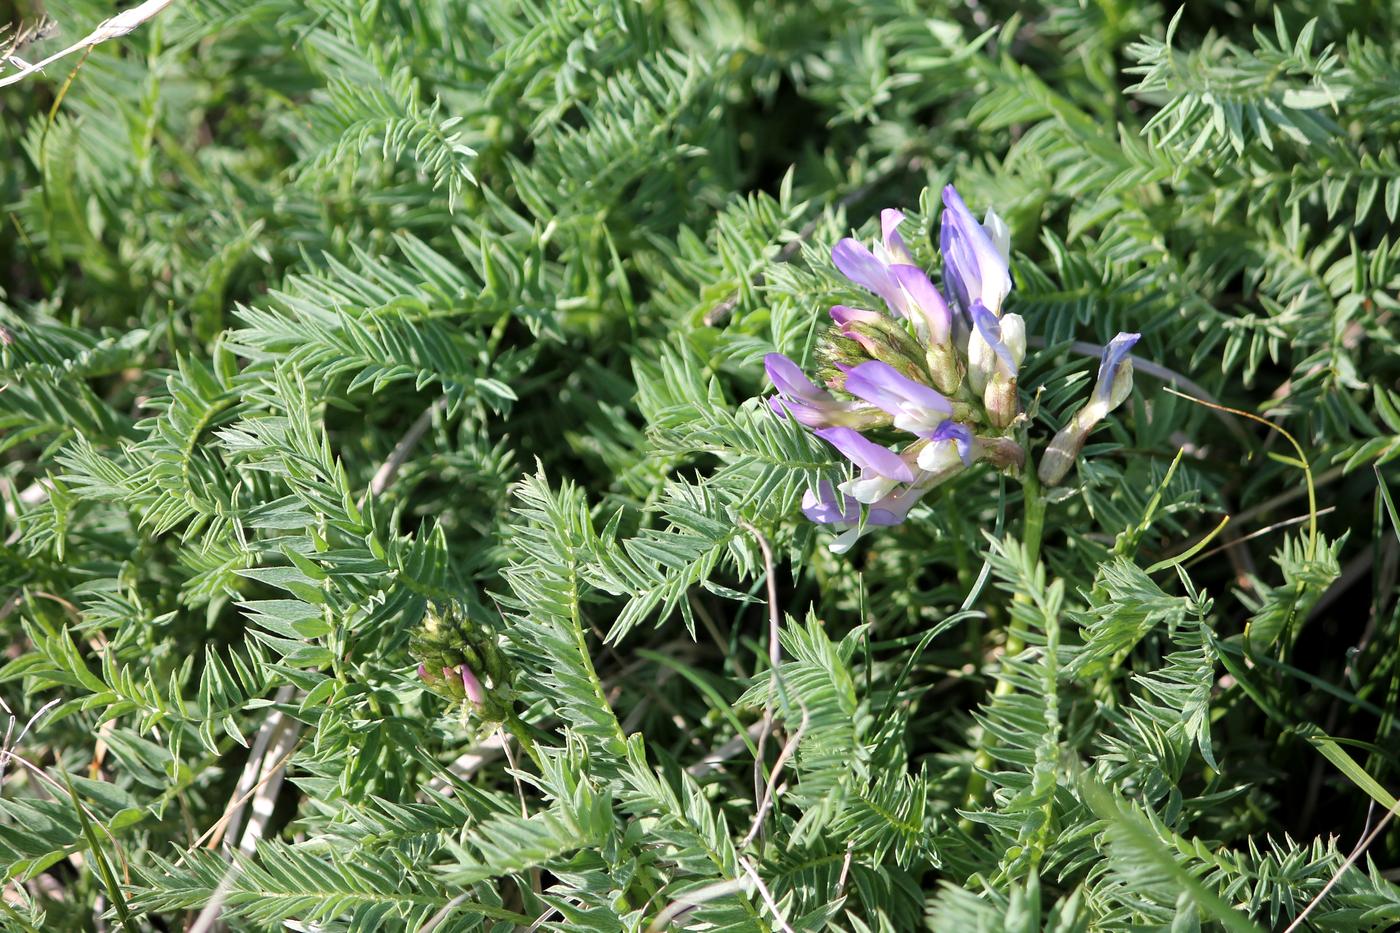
[880, 336]
[981, 362]
[945, 367]
[472, 687]
[1114, 384]
[1064, 449]
[996, 346]
[1115, 381]
[461, 661]
[1013, 336]
[1003, 453]
[1000, 400]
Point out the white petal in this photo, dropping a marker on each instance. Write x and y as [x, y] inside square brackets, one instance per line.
[1013, 336]
[939, 457]
[868, 489]
[844, 540]
[981, 362]
[1001, 235]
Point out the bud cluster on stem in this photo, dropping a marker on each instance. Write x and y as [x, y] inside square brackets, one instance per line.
[461, 660]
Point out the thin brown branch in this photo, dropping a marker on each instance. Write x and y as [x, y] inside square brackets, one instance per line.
[1337, 875]
[389, 469]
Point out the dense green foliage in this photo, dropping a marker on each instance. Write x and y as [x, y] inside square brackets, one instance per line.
[323, 313]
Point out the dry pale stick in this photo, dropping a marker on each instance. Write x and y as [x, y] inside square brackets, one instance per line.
[119, 25]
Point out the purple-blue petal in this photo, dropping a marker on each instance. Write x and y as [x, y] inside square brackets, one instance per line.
[953, 286]
[867, 454]
[989, 326]
[827, 506]
[881, 385]
[789, 379]
[861, 266]
[1113, 356]
[930, 303]
[890, 219]
[959, 434]
[971, 261]
[808, 414]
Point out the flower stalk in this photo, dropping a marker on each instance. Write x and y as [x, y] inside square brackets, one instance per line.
[1032, 532]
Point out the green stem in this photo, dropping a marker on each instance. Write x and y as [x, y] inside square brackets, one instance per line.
[522, 735]
[1032, 531]
[104, 869]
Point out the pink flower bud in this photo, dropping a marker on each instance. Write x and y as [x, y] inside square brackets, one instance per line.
[475, 694]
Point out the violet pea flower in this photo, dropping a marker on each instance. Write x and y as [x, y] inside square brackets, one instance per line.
[920, 295]
[1115, 374]
[797, 395]
[975, 256]
[827, 506]
[889, 272]
[916, 408]
[857, 263]
[1114, 384]
[881, 469]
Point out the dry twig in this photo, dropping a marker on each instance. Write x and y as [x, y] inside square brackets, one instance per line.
[1337, 875]
[113, 28]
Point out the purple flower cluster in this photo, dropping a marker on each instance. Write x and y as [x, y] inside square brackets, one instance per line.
[934, 372]
[907, 368]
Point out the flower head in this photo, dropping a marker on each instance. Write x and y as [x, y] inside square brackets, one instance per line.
[460, 660]
[921, 369]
